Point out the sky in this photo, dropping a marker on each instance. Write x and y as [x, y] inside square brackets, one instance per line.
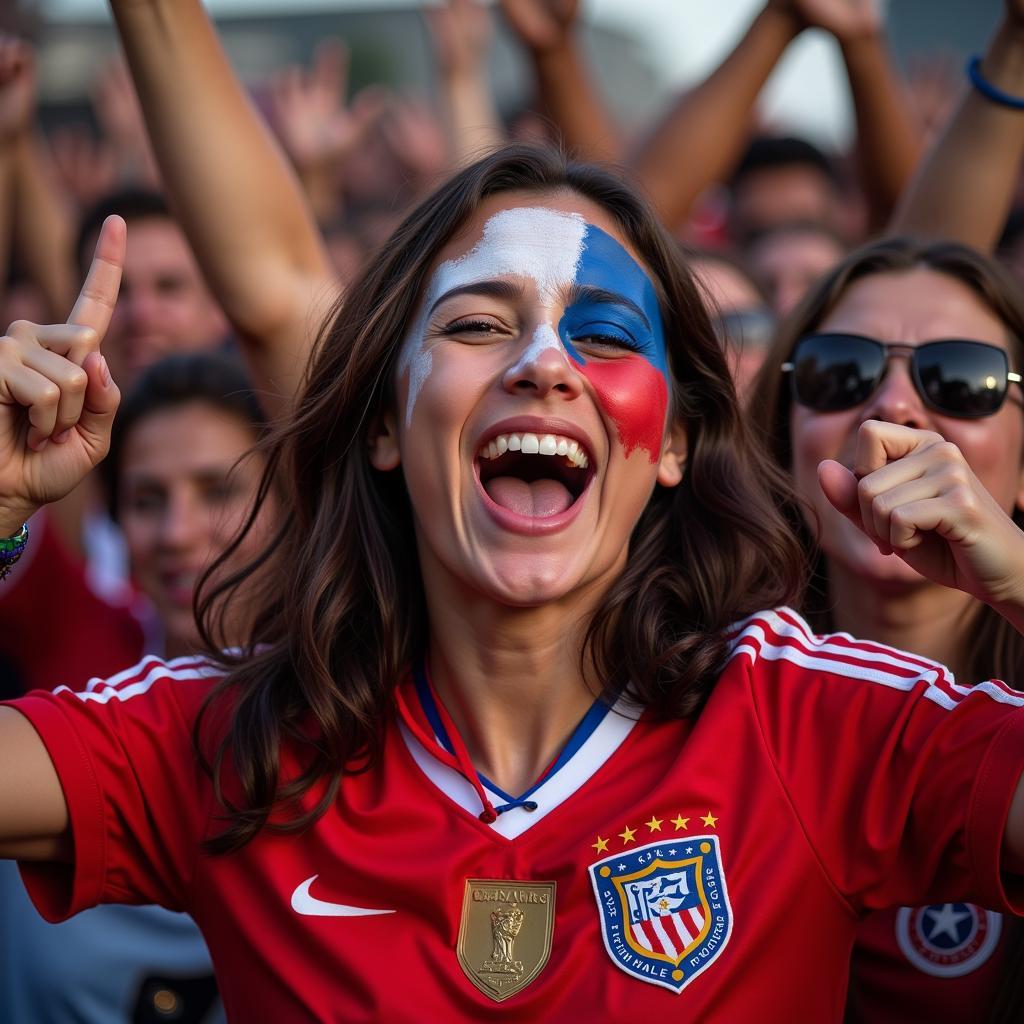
[685, 38]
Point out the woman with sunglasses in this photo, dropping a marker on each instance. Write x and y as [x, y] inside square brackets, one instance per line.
[512, 736]
[927, 336]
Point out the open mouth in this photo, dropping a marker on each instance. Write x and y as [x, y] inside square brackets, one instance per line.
[534, 475]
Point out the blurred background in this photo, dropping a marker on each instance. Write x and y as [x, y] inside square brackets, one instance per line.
[643, 50]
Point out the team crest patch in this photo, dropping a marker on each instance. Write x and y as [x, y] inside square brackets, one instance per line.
[948, 940]
[505, 934]
[665, 914]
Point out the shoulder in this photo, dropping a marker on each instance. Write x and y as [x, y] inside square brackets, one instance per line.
[182, 680]
[780, 639]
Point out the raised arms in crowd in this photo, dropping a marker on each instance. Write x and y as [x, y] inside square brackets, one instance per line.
[234, 193]
[965, 185]
[718, 111]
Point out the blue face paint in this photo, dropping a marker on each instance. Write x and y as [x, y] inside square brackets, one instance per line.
[612, 330]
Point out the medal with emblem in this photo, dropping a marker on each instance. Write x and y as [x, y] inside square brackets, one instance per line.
[665, 914]
[505, 934]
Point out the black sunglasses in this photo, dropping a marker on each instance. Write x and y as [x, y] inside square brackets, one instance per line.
[966, 379]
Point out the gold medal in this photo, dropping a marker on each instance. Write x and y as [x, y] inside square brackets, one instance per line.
[505, 934]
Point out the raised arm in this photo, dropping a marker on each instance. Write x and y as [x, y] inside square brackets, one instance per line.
[546, 29]
[460, 35]
[965, 185]
[237, 198]
[704, 133]
[888, 137]
[57, 404]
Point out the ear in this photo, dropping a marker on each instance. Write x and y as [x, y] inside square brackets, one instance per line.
[673, 457]
[382, 440]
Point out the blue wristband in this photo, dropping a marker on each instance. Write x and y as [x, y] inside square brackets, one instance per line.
[990, 91]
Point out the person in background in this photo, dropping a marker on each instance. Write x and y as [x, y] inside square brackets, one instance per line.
[925, 336]
[743, 318]
[179, 484]
[788, 258]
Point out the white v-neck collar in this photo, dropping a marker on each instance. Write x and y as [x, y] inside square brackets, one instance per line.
[552, 792]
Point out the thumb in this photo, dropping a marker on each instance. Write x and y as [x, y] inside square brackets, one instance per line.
[101, 400]
[839, 485]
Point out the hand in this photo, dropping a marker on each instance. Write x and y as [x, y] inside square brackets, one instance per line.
[86, 166]
[119, 116]
[413, 135]
[316, 129]
[460, 32]
[57, 399]
[17, 88]
[541, 25]
[914, 495]
[847, 20]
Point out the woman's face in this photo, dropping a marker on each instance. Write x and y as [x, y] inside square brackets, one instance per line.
[182, 499]
[910, 308]
[532, 402]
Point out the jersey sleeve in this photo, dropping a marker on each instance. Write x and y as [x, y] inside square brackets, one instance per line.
[137, 799]
[901, 778]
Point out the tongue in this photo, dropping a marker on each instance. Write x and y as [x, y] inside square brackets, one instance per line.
[540, 498]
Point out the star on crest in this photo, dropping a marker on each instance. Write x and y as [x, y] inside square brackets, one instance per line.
[710, 820]
[654, 824]
[680, 822]
[601, 845]
[628, 836]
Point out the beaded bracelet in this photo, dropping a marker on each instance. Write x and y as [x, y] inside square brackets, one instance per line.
[11, 549]
[990, 91]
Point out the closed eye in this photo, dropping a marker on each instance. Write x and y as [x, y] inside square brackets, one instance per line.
[472, 326]
[606, 341]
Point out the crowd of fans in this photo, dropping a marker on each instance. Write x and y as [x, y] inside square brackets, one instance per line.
[243, 232]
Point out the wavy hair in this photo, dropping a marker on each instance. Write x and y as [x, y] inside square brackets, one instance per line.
[995, 649]
[344, 617]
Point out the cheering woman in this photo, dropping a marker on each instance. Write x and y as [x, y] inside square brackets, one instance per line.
[513, 734]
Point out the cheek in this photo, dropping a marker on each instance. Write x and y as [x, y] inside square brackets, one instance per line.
[634, 394]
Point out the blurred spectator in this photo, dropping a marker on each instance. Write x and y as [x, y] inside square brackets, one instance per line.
[788, 258]
[164, 305]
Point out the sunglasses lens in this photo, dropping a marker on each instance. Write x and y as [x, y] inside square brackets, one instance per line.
[836, 371]
[962, 378]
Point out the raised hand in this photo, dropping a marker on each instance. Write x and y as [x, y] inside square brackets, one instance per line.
[85, 165]
[847, 20]
[411, 131]
[541, 25]
[913, 494]
[17, 88]
[57, 399]
[314, 124]
[460, 33]
[119, 116]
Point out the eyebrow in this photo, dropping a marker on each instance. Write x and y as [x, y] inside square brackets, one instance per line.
[494, 289]
[590, 293]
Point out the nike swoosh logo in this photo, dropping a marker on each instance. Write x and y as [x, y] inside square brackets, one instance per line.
[303, 902]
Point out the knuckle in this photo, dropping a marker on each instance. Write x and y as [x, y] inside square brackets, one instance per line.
[20, 328]
[77, 381]
[949, 452]
[49, 394]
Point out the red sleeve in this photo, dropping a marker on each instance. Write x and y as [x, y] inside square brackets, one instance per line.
[137, 799]
[901, 778]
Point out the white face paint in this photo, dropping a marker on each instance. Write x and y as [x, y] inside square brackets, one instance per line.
[544, 245]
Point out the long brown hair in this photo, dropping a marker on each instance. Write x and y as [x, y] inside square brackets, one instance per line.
[345, 616]
[996, 650]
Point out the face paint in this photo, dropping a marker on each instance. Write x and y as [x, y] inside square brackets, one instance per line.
[611, 300]
[616, 300]
[536, 243]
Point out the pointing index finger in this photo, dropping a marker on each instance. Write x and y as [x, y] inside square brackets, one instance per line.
[99, 292]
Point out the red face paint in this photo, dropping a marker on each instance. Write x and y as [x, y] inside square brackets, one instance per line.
[634, 394]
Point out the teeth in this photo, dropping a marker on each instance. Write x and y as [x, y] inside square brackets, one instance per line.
[532, 444]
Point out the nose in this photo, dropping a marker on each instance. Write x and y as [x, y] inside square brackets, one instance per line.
[543, 368]
[182, 525]
[896, 400]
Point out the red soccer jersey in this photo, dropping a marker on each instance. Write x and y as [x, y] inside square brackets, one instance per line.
[715, 870]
